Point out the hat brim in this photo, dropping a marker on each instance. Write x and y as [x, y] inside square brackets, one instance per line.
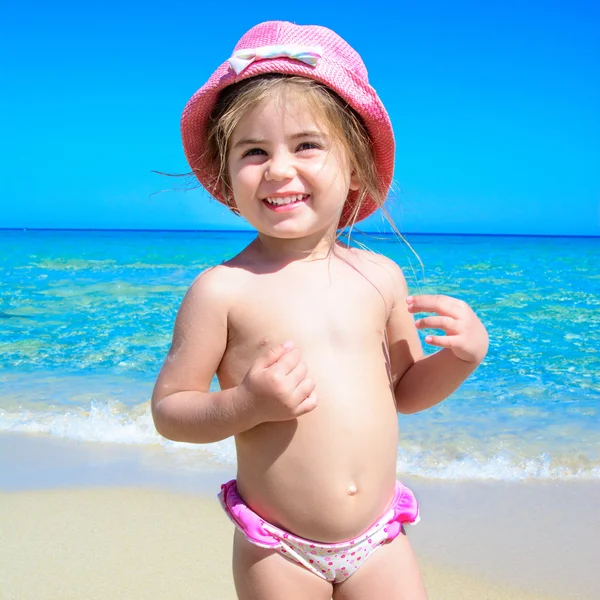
[349, 86]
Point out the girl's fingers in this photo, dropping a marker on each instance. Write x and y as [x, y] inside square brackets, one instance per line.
[447, 324]
[438, 303]
[441, 341]
[305, 389]
[272, 355]
[288, 361]
[308, 404]
[297, 374]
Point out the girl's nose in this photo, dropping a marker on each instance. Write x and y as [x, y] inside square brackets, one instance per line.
[280, 167]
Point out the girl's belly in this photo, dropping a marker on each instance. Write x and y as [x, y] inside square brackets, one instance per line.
[330, 474]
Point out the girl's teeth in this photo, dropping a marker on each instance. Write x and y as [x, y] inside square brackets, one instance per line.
[281, 200]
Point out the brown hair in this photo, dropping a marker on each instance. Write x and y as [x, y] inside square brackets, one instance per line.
[344, 123]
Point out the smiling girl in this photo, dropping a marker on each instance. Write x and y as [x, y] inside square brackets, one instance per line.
[313, 342]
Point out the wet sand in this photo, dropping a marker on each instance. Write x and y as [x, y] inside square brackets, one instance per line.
[99, 521]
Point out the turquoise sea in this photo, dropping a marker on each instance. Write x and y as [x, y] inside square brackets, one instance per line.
[86, 320]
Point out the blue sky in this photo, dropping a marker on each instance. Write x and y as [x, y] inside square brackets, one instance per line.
[495, 107]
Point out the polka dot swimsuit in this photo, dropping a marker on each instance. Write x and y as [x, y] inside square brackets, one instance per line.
[333, 562]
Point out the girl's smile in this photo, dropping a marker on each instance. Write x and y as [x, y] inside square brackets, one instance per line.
[289, 178]
[285, 202]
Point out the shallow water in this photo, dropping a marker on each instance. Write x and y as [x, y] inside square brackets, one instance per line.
[86, 320]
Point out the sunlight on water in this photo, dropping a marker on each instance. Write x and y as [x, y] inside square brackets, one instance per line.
[86, 320]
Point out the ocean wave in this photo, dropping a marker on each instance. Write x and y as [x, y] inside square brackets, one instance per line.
[494, 468]
[114, 424]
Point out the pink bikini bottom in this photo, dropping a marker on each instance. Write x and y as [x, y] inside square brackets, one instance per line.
[333, 562]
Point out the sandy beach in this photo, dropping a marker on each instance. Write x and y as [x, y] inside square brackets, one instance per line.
[92, 535]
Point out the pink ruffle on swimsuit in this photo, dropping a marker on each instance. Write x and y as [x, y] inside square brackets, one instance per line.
[333, 562]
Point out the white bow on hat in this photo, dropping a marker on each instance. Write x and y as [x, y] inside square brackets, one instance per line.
[306, 54]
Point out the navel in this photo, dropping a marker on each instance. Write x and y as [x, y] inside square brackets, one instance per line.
[351, 489]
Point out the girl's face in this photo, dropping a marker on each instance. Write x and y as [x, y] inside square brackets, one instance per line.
[289, 178]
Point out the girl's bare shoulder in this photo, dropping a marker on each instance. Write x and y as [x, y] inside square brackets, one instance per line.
[378, 266]
[220, 281]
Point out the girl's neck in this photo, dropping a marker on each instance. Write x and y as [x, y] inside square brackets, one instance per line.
[314, 247]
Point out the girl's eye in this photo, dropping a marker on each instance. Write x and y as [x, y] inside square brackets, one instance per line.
[308, 146]
[253, 152]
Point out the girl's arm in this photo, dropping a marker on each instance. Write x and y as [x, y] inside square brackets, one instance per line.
[430, 380]
[421, 382]
[464, 345]
[182, 407]
[275, 388]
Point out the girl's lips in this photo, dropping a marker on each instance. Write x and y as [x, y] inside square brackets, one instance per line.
[286, 207]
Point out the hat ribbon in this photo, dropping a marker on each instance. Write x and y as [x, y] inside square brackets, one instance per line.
[306, 54]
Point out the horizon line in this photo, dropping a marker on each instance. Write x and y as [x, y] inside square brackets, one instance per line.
[251, 231]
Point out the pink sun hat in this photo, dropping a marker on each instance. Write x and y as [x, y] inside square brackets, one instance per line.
[307, 51]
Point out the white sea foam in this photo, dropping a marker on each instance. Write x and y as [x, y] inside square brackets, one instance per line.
[107, 423]
[103, 422]
[495, 468]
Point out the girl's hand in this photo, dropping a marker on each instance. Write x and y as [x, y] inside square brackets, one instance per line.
[465, 334]
[277, 384]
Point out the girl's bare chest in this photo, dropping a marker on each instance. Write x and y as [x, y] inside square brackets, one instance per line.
[334, 314]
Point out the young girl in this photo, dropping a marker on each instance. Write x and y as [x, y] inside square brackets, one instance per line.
[312, 341]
